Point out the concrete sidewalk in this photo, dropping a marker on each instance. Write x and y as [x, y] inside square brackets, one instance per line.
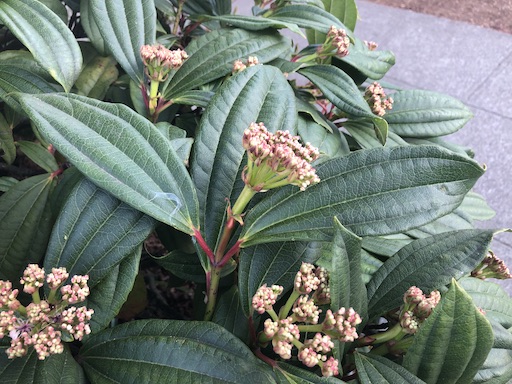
[470, 63]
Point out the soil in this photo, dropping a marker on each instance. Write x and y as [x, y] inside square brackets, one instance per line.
[495, 14]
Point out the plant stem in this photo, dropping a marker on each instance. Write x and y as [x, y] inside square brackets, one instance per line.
[178, 17]
[245, 196]
[213, 290]
[285, 309]
[153, 96]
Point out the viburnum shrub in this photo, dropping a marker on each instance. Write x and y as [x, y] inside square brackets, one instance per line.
[312, 223]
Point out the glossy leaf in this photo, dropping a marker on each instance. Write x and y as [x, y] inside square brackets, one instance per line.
[491, 297]
[363, 190]
[109, 294]
[275, 263]
[419, 113]
[453, 343]
[290, 374]
[55, 369]
[378, 369]
[339, 88]
[308, 16]
[145, 351]
[96, 77]
[141, 169]
[429, 264]
[45, 35]
[6, 141]
[230, 315]
[25, 224]
[39, 155]
[95, 232]
[125, 26]
[257, 94]
[211, 56]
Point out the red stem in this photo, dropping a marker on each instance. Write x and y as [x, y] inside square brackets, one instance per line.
[204, 246]
[229, 254]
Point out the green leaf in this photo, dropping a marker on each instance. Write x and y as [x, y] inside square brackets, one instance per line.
[378, 369]
[385, 246]
[275, 263]
[7, 182]
[330, 144]
[491, 297]
[16, 78]
[145, 351]
[253, 23]
[45, 35]
[371, 64]
[95, 232]
[96, 77]
[194, 97]
[345, 282]
[58, 8]
[109, 294]
[368, 194]
[497, 368]
[339, 88]
[454, 221]
[418, 113]
[125, 26]
[183, 148]
[257, 94]
[7, 141]
[475, 206]
[344, 10]
[308, 16]
[55, 369]
[25, 224]
[230, 315]
[369, 264]
[141, 169]
[366, 134]
[39, 155]
[429, 264]
[211, 56]
[287, 373]
[91, 28]
[453, 342]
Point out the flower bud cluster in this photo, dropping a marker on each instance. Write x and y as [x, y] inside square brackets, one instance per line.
[417, 307]
[371, 45]
[492, 267]
[275, 160]
[239, 65]
[336, 39]
[43, 323]
[159, 61]
[377, 99]
[302, 314]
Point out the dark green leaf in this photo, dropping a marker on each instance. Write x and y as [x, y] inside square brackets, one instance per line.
[39, 155]
[453, 343]
[378, 369]
[257, 94]
[429, 264]
[95, 232]
[184, 265]
[371, 64]
[55, 369]
[125, 26]
[6, 141]
[491, 297]
[58, 8]
[96, 77]
[344, 10]
[230, 315]
[364, 132]
[253, 23]
[287, 373]
[141, 169]
[330, 144]
[385, 246]
[275, 263]
[419, 113]
[109, 294]
[339, 88]
[6, 183]
[345, 283]
[368, 193]
[194, 97]
[45, 35]
[454, 221]
[145, 351]
[91, 28]
[25, 224]
[308, 16]
[211, 56]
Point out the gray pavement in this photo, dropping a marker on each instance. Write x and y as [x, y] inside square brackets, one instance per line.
[471, 63]
[468, 62]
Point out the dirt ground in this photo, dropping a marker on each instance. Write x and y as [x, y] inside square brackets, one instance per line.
[496, 14]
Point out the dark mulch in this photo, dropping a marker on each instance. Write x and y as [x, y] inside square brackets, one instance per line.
[495, 14]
